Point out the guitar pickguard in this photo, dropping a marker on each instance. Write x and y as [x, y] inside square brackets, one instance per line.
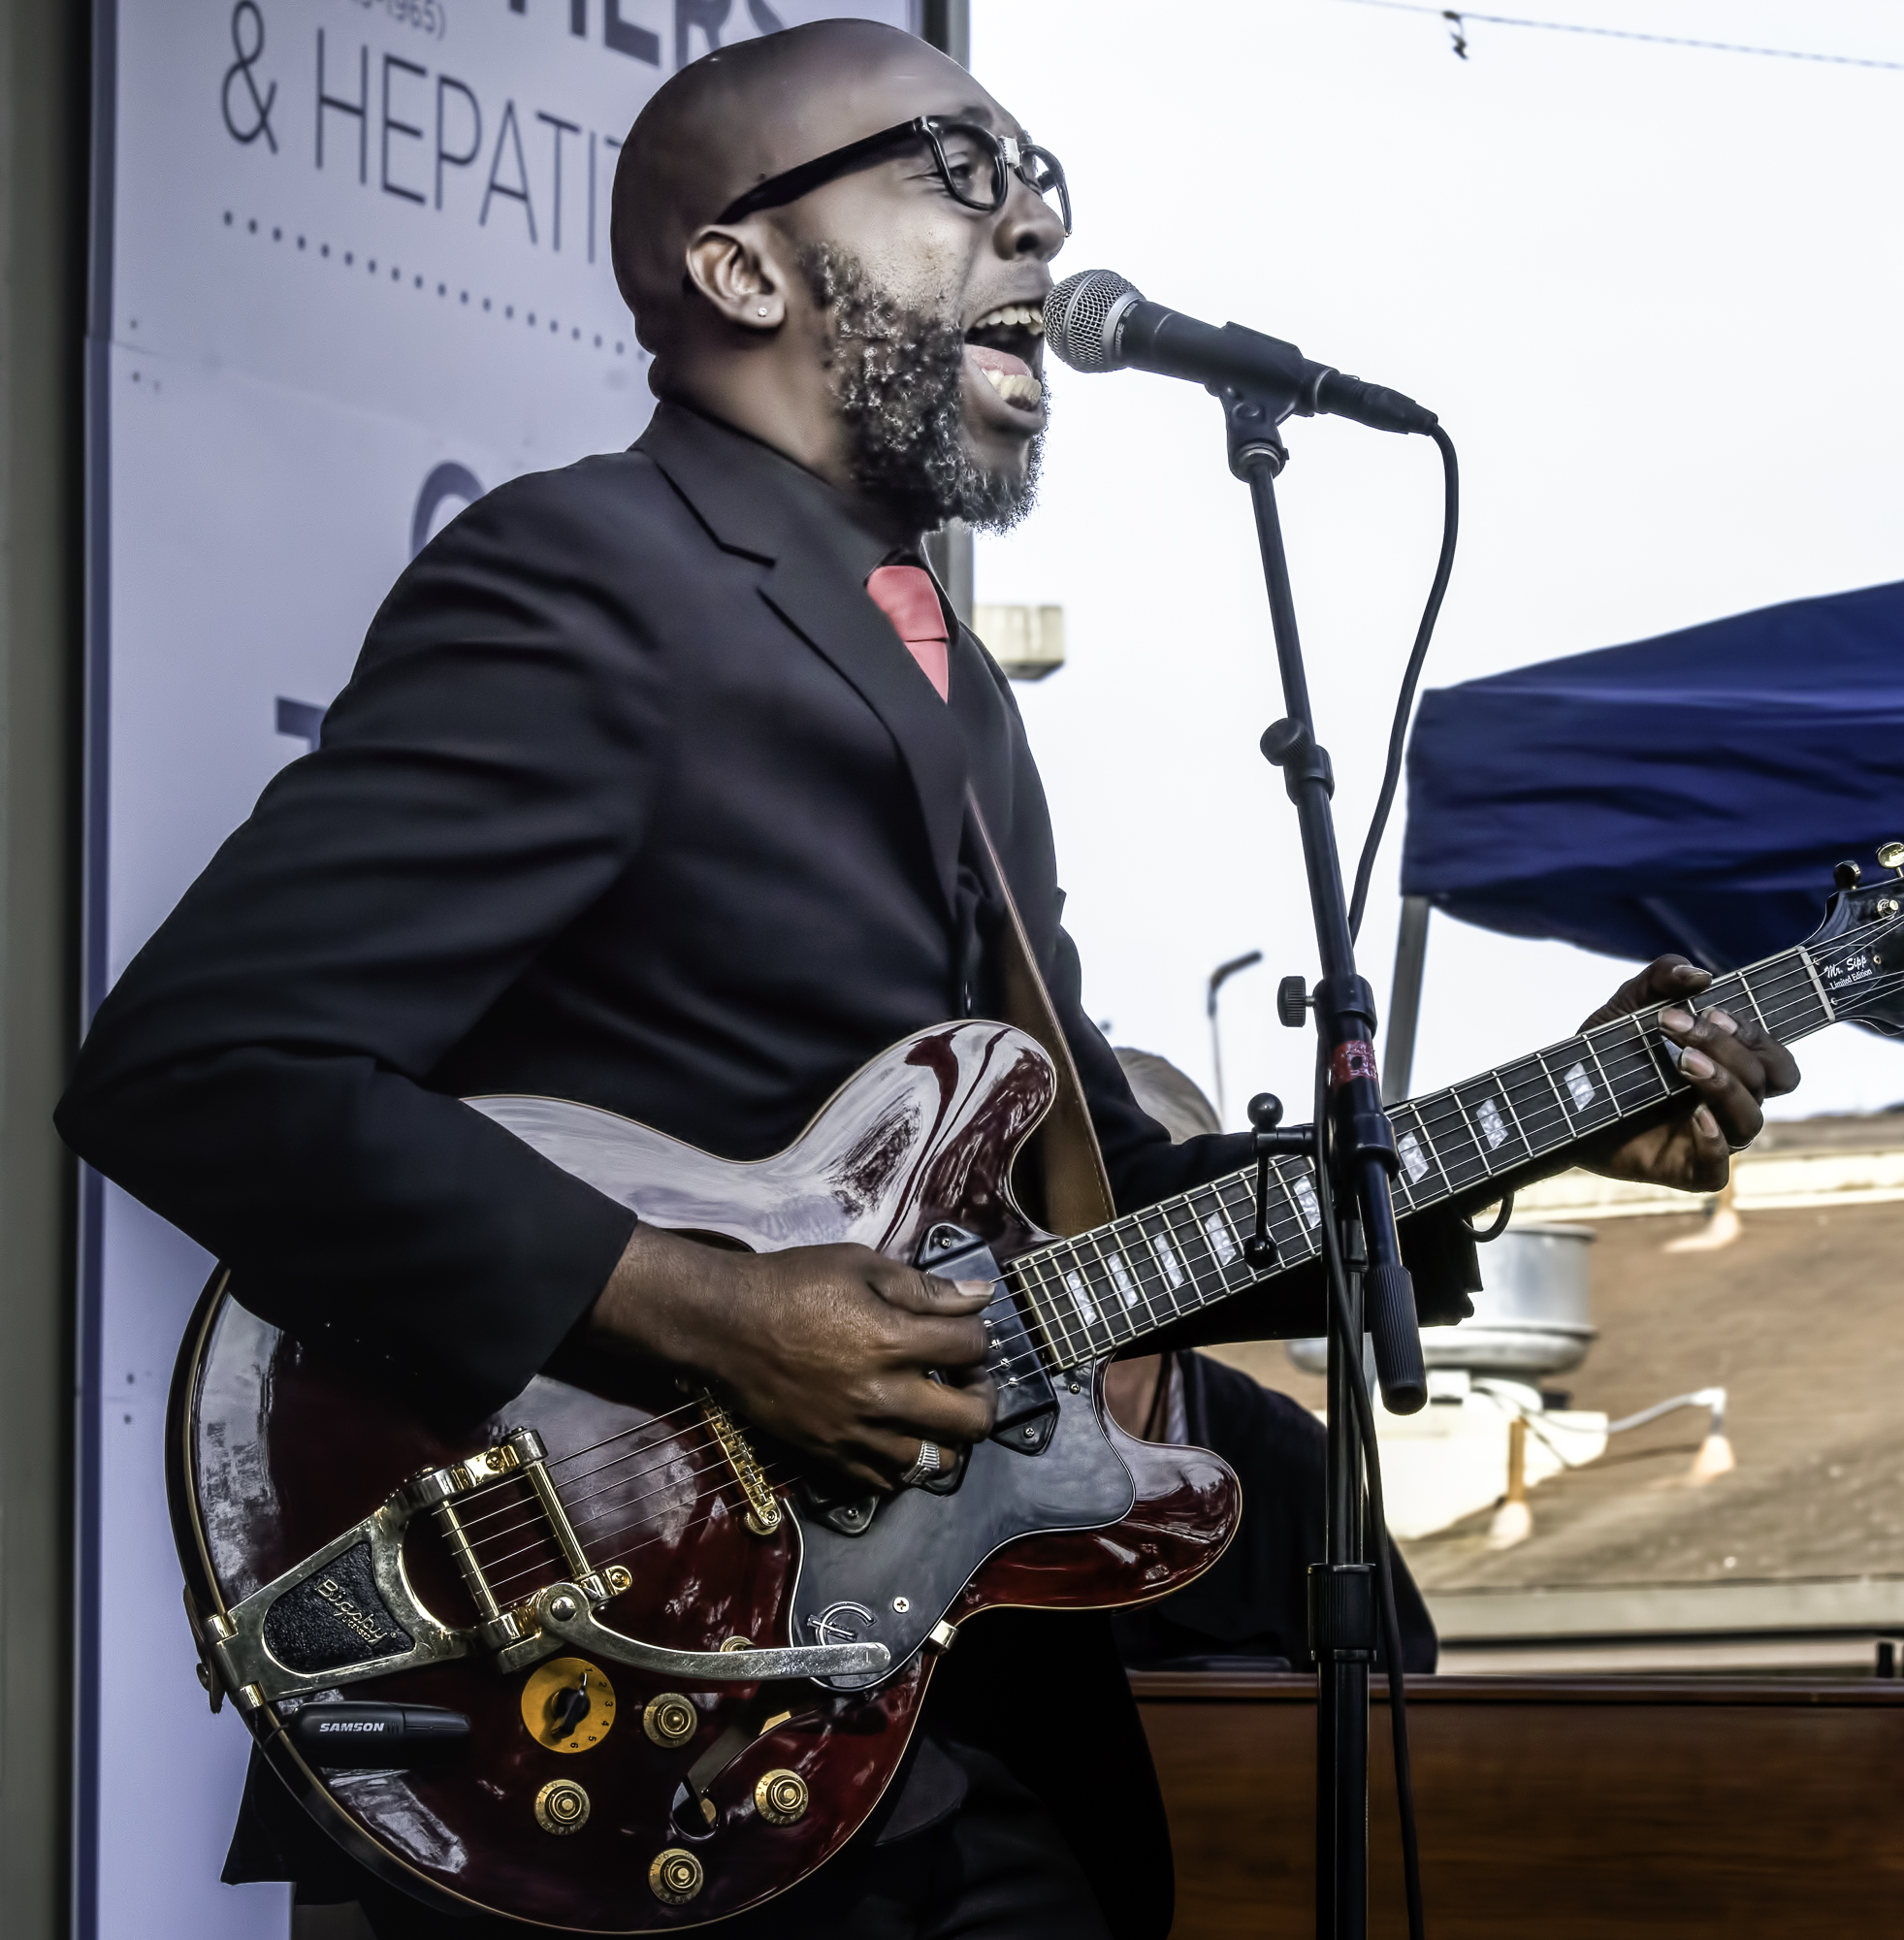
[895, 1583]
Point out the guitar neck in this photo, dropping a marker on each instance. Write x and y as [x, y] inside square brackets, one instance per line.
[1094, 1295]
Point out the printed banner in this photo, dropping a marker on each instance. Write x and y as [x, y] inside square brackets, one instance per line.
[352, 271]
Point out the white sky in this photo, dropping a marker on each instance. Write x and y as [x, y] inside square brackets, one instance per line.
[1655, 295]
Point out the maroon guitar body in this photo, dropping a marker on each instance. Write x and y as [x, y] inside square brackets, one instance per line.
[611, 1548]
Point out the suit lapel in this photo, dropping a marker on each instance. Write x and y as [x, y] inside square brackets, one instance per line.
[754, 501]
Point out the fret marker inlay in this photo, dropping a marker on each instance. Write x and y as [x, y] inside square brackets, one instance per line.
[1492, 1128]
[1167, 1259]
[1305, 1199]
[1220, 1243]
[1086, 1306]
[1413, 1161]
[1120, 1275]
[1580, 1088]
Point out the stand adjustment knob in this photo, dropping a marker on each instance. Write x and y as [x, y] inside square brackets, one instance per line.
[1265, 1110]
[1292, 1002]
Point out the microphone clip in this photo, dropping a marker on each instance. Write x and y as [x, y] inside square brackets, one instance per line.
[1273, 1139]
[1249, 425]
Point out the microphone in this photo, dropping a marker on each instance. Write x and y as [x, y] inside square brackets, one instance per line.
[1098, 321]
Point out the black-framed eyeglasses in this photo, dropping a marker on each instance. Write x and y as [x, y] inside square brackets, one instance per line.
[975, 165]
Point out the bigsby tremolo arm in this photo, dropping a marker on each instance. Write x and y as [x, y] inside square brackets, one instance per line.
[347, 1612]
[564, 1611]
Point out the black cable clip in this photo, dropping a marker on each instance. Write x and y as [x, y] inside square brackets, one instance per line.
[1298, 1142]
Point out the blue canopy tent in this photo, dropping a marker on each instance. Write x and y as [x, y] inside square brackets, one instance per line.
[1689, 793]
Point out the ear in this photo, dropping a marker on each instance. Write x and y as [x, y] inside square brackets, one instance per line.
[739, 273]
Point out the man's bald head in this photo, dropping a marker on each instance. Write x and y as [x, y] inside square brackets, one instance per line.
[744, 114]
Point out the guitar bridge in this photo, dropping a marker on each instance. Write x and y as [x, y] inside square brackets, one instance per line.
[519, 1454]
[762, 1505]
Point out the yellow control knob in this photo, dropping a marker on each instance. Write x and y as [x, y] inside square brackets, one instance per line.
[780, 1797]
[675, 1877]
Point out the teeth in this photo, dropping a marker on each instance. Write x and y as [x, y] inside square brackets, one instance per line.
[1014, 388]
[1020, 317]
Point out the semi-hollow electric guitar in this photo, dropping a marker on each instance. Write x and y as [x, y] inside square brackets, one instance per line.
[611, 1665]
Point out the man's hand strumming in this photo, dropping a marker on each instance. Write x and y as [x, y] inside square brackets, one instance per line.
[831, 1348]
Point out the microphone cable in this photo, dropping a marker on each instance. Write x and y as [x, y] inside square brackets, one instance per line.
[1405, 702]
[1334, 1271]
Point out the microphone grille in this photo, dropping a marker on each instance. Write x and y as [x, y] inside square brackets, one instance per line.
[1080, 318]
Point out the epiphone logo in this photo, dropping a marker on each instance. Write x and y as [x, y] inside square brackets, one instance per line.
[346, 1612]
[842, 1623]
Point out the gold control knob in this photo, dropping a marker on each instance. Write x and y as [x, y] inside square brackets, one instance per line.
[675, 1877]
[562, 1806]
[780, 1797]
[1892, 856]
[736, 1643]
[670, 1719]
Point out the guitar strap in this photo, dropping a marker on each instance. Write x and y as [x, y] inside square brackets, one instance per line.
[1076, 1187]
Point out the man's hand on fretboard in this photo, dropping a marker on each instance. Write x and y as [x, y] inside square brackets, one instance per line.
[1731, 1065]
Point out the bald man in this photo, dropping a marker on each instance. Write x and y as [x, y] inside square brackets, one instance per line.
[648, 791]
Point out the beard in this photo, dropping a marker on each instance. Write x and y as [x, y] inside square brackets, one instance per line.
[898, 378]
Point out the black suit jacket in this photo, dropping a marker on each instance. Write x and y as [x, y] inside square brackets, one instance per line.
[634, 798]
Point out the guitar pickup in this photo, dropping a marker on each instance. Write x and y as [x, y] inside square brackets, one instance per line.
[1027, 1402]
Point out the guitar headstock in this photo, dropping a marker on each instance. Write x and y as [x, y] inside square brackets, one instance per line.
[1859, 947]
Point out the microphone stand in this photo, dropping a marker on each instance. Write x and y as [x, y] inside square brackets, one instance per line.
[1354, 1153]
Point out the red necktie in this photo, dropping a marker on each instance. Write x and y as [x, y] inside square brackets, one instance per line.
[908, 597]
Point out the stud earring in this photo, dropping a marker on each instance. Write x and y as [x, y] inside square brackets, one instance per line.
[762, 311]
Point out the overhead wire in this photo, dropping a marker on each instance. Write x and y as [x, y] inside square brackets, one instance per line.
[1462, 16]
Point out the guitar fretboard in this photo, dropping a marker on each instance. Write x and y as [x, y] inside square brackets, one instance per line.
[1093, 1295]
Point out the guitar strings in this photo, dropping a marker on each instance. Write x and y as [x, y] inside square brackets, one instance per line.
[699, 1494]
[704, 1436]
[534, 1518]
[561, 1461]
[537, 1521]
[621, 1556]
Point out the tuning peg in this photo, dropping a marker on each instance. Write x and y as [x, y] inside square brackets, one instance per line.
[1265, 1110]
[1292, 999]
[1846, 875]
[1892, 856]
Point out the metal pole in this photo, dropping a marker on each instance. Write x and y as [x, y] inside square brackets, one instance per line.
[1404, 999]
[1341, 1680]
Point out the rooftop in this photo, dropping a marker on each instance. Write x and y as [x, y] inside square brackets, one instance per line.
[1800, 1319]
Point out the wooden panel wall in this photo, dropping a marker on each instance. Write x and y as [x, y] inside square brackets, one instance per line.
[1563, 1807]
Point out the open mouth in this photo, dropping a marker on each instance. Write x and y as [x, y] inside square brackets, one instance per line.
[1006, 344]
